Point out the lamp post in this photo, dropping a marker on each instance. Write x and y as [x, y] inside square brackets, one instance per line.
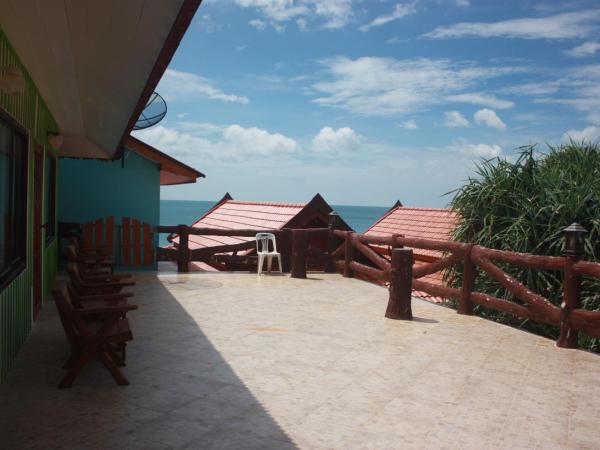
[574, 241]
[574, 251]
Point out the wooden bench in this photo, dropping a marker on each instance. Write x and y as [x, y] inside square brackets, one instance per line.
[92, 329]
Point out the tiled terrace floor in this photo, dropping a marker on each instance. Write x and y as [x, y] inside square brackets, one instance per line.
[239, 361]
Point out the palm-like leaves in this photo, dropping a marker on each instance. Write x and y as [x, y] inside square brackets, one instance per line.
[523, 205]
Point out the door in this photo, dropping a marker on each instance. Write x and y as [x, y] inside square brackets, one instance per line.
[38, 196]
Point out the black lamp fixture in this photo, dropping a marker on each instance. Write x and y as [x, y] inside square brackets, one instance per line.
[574, 240]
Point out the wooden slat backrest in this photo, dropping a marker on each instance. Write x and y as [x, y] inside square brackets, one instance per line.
[63, 303]
[126, 250]
[137, 249]
[148, 244]
[110, 232]
[88, 236]
[99, 232]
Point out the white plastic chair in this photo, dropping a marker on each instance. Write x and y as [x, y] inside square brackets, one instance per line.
[262, 250]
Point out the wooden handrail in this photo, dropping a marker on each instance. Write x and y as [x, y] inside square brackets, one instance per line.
[358, 258]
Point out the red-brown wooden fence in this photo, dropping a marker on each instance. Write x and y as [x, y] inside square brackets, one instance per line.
[132, 241]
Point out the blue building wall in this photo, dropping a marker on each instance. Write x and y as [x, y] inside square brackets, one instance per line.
[90, 189]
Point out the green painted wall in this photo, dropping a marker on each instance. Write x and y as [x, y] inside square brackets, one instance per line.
[91, 189]
[30, 111]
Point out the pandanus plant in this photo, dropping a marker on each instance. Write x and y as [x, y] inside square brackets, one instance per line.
[523, 204]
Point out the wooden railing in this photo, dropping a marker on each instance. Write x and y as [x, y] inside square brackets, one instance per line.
[353, 254]
[227, 254]
[569, 317]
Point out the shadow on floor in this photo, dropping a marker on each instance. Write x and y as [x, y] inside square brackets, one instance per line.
[183, 394]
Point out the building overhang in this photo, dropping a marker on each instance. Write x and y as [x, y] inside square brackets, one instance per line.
[172, 171]
[95, 63]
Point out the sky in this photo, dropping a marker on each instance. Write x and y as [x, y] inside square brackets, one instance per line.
[371, 101]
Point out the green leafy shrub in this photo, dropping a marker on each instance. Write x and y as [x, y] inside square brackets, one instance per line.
[523, 205]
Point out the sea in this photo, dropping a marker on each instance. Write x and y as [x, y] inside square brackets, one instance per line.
[175, 212]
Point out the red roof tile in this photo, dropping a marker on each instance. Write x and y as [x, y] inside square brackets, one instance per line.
[233, 214]
[426, 223]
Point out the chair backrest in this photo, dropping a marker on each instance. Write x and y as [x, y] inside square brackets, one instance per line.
[62, 298]
[262, 242]
[75, 278]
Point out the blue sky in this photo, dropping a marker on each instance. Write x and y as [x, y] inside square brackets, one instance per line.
[369, 101]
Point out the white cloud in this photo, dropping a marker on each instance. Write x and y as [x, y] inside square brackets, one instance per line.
[335, 142]
[583, 50]
[384, 86]
[591, 133]
[332, 14]
[476, 150]
[462, 3]
[477, 98]
[489, 118]
[258, 24]
[337, 13]
[219, 143]
[454, 119]
[409, 124]
[400, 10]
[561, 26]
[178, 85]
[533, 88]
[241, 48]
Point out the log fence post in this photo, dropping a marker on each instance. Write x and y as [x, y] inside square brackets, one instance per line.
[348, 254]
[574, 251]
[183, 251]
[399, 304]
[285, 245]
[299, 245]
[465, 305]
[331, 242]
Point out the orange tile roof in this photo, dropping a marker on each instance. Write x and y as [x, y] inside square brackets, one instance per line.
[426, 223]
[235, 215]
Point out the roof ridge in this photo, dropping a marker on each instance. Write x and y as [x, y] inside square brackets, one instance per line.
[281, 204]
[424, 208]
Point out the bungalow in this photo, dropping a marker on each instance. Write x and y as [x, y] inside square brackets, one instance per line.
[425, 223]
[74, 78]
[230, 214]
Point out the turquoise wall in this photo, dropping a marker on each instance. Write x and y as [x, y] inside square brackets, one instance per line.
[91, 189]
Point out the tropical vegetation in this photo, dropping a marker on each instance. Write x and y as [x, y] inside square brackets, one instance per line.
[523, 204]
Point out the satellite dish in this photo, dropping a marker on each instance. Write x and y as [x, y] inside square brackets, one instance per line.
[153, 112]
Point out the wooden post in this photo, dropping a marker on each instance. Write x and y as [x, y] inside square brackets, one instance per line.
[399, 304]
[285, 247]
[299, 244]
[331, 242]
[574, 251]
[349, 255]
[183, 251]
[465, 305]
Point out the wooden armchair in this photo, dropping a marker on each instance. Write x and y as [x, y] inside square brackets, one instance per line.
[95, 284]
[89, 338]
[92, 263]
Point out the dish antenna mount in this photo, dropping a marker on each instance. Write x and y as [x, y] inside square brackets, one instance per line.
[154, 111]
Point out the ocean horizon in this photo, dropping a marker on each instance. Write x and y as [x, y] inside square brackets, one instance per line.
[175, 212]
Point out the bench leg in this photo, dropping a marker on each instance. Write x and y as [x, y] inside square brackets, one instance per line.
[116, 373]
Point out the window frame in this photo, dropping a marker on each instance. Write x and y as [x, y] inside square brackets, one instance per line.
[19, 264]
[50, 200]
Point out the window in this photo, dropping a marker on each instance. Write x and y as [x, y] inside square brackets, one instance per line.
[13, 200]
[50, 193]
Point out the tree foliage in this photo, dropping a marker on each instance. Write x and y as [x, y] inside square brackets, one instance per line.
[523, 205]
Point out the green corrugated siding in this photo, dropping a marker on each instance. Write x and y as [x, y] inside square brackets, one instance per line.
[31, 112]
